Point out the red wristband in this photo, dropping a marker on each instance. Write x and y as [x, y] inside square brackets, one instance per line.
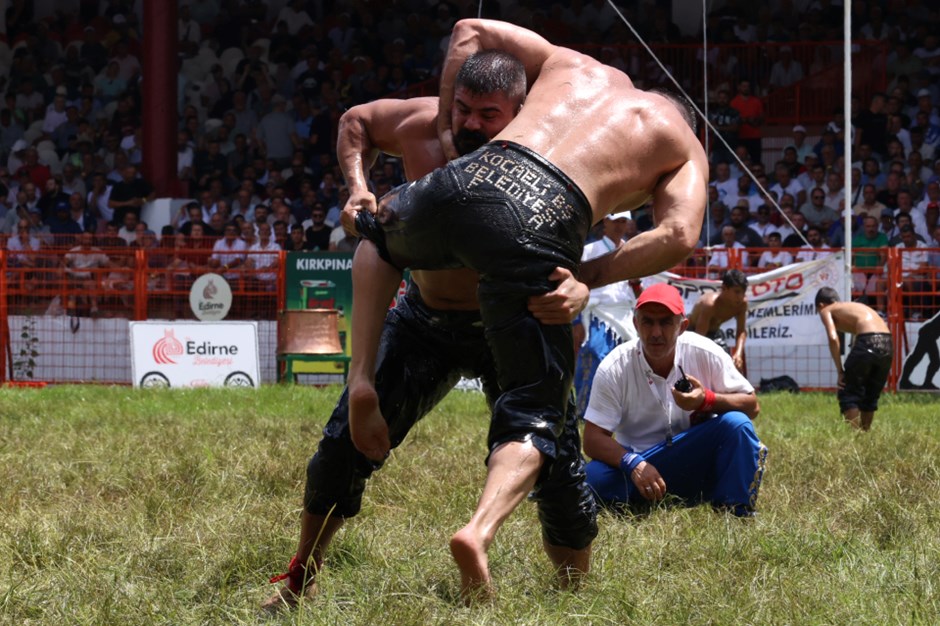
[709, 402]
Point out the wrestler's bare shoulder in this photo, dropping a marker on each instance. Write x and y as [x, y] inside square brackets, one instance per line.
[856, 318]
[415, 135]
[615, 142]
[391, 123]
[573, 66]
[706, 300]
[419, 114]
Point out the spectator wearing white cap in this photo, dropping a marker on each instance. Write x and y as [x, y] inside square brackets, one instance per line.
[799, 142]
[606, 321]
[786, 70]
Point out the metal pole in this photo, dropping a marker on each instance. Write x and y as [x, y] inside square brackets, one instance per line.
[847, 146]
[160, 68]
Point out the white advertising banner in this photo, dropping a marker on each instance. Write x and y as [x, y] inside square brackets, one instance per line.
[194, 354]
[781, 302]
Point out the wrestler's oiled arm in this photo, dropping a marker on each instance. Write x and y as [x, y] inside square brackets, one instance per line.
[356, 154]
[364, 131]
[678, 209]
[832, 336]
[741, 336]
[472, 35]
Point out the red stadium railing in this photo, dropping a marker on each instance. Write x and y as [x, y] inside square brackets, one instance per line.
[114, 284]
[140, 284]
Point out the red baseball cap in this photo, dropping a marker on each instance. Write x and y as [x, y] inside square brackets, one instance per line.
[664, 294]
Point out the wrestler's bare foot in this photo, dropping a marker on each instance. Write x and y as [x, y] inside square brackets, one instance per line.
[852, 418]
[470, 555]
[286, 600]
[367, 427]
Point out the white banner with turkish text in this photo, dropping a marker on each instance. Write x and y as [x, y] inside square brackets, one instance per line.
[781, 302]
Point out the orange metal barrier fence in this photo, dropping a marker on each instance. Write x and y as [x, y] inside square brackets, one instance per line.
[83, 299]
[81, 302]
[899, 283]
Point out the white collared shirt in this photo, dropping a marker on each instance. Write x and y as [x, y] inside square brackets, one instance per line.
[619, 293]
[636, 405]
[809, 253]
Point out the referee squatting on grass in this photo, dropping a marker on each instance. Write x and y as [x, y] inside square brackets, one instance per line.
[670, 414]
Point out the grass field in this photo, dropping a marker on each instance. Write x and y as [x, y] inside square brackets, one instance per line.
[121, 506]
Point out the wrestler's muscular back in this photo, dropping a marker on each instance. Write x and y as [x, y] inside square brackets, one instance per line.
[719, 311]
[856, 318]
[613, 140]
[420, 151]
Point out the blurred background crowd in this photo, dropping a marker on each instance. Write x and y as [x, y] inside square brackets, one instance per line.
[261, 86]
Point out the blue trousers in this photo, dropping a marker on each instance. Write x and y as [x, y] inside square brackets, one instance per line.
[720, 461]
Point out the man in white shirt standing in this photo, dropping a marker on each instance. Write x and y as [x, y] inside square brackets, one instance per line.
[914, 274]
[670, 415]
[263, 255]
[606, 321]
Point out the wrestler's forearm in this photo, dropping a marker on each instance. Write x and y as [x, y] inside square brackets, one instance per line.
[645, 254]
[834, 352]
[354, 150]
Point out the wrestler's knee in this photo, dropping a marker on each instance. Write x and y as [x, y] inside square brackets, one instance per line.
[336, 478]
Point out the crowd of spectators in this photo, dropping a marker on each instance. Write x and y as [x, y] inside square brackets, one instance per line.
[261, 86]
[794, 197]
